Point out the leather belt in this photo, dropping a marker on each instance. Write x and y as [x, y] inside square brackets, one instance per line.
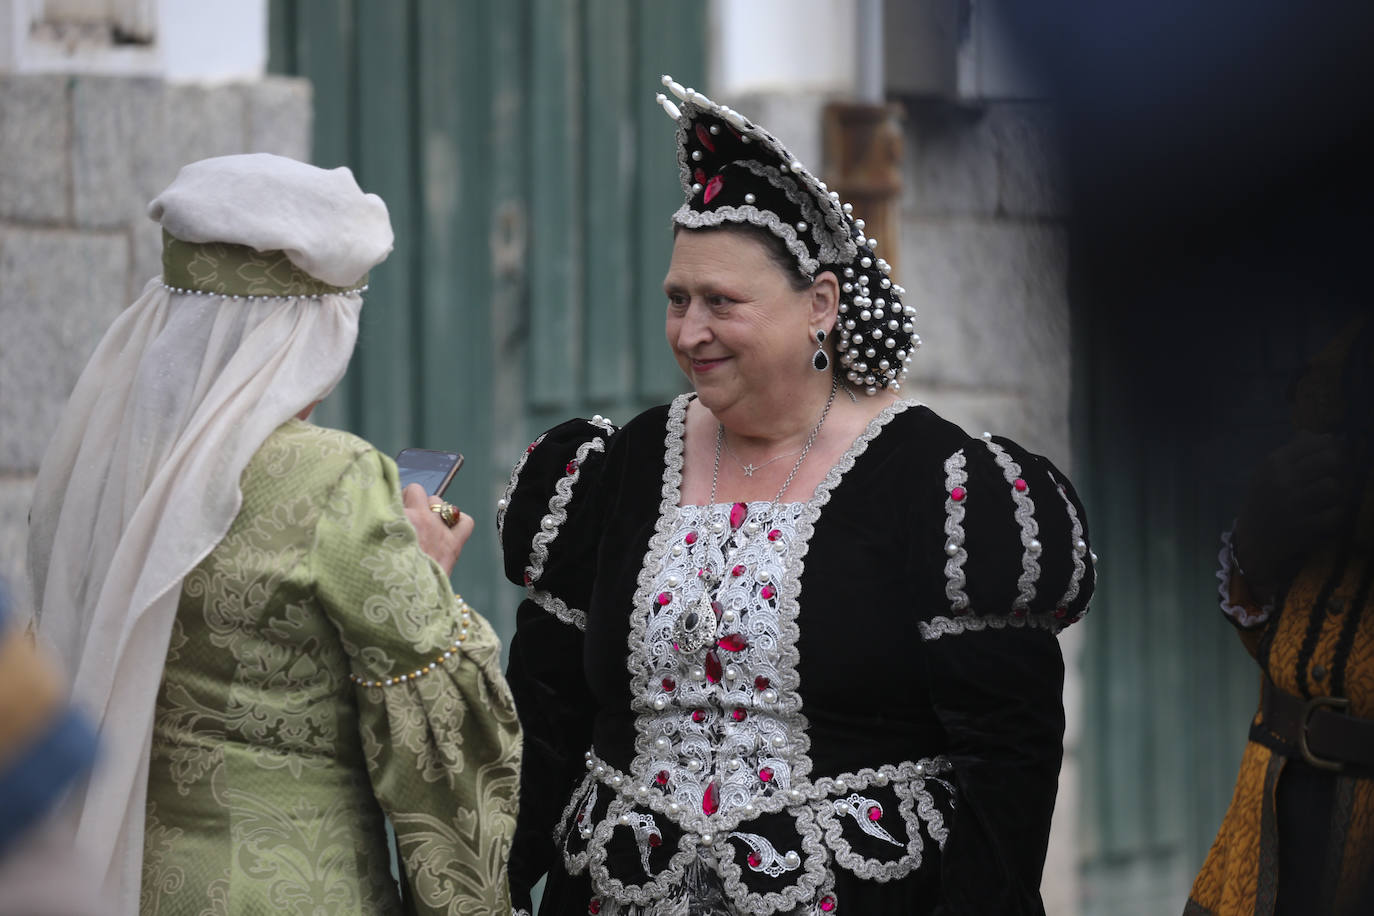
[1319, 728]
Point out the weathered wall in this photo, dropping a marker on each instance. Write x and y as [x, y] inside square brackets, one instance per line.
[80, 157]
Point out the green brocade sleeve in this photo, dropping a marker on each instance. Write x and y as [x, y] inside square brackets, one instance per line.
[438, 725]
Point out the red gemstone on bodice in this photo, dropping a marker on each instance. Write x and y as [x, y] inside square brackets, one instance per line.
[594, 906]
[710, 802]
[828, 903]
[1020, 485]
[669, 684]
[774, 534]
[738, 513]
[738, 570]
[662, 778]
[958, 494]
[655, 840]
[713, 667]
[664, 598]
[735, 642]
[875, 813]
[713, 188]
[738, 714]
[698, 715]
[767, 592]
[761, 683]
[766, 774]
[754, 860]
[572, 466]
[691, 538]
[528, 578]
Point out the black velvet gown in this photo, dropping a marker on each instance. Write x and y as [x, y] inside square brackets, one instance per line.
[855, 708]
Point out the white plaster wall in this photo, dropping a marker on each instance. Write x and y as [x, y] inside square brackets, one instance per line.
[195, 41]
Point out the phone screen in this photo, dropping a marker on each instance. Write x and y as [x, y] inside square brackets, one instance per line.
[430, 469]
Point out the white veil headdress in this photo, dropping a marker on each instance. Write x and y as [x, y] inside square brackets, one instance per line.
[141, 479]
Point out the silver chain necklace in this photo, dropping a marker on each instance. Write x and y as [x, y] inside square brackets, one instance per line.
[805, 449]
[750, 468]
[696, 628]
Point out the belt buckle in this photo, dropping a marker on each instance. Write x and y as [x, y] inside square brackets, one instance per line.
[1339, 704]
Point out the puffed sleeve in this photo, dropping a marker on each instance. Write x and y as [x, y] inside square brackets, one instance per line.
[547, 520]
[438, 723]
[1007, 570]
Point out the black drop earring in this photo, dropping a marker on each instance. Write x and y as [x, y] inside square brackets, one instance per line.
[820, 362]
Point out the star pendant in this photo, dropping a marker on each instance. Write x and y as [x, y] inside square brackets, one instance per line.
[749, 469]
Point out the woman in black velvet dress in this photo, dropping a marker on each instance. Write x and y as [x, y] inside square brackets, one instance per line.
[788, 645]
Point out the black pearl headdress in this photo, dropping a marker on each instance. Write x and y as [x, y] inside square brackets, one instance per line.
[734, 171]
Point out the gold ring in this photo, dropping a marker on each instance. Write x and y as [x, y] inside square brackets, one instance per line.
[447, 512]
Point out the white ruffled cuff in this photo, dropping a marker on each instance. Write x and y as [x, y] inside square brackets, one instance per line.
[1227, 570]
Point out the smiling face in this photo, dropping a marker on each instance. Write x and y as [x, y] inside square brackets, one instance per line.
[739, 329]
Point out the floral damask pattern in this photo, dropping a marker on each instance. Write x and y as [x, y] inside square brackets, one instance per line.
[271, 771]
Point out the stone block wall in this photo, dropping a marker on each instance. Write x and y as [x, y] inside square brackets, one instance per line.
[80, 157]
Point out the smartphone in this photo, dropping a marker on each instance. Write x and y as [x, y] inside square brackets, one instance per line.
[430, 469]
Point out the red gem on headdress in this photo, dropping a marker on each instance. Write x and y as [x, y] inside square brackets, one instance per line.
[767, 592]
[691, 538]
[717, 609]
[774, 534]
[710, 802]
[713, 667]
[828, 903]
[761, 683]
[528, 578]
[664, 598]
[958, 494]
[713, 188]
[754, 860]
[875, 813]
[655, 840]
[669, 684]
[595, 906]
[739, 714]
[737, 570]
[704, 136]
[698, 715]
[738, 513]
[766, 774]
[699, 176]
[735, 642]
[662, 778]
[1020, 485]
[572, 466]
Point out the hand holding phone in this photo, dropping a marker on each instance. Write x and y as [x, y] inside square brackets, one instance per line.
[431, 469]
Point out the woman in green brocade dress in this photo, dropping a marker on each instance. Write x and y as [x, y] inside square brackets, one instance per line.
[256, 616]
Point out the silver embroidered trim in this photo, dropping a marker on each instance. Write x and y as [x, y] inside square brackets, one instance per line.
[817, 821]
[1076, 535]
[1225, 572]
[953, 626]
[771, 862]
[558, 511]
[1025, 518]
[766, 219]
[955, 580]
[857, 806]
[804, 201]
[557, 607]
[514, 481]
[908, 782]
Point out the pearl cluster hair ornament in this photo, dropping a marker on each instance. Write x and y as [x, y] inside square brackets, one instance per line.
[734, 171]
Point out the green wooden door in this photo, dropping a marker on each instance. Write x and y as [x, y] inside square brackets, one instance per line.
[530, 178]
